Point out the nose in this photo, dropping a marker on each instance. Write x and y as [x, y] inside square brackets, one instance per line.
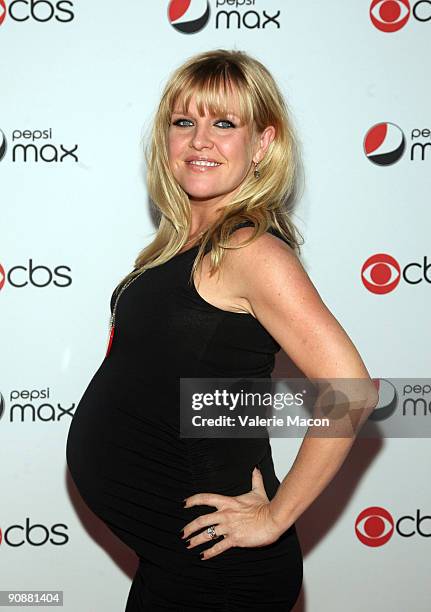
[201, 137]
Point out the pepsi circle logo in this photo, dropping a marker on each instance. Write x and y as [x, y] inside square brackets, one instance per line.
[389, 15]
[3, 142]
[189, 16]
[381, 273]
[387, 402]
[384, 144]
[374, 526]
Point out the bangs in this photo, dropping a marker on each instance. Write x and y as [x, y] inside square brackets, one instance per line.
[219, 89]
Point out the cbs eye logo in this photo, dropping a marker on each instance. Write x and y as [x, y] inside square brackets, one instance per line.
[392, 15]
[389, 15]
[381, 273]
[2, 277]
[374, 526]
[2, 11]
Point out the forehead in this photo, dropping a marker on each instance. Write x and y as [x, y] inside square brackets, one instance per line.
[211, 103]
[192, 108]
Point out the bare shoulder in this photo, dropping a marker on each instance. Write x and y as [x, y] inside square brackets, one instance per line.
[281, 295]
[265, 243]
[267, 264]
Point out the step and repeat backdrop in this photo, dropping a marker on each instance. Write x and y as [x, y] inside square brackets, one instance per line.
[79, 85]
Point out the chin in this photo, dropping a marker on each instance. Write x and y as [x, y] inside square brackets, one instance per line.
[200, 194]
[203, 196]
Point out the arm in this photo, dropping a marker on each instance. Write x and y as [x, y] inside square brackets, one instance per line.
[282, 297]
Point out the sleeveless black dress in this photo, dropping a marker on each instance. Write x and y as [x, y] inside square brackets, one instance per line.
[133, 470]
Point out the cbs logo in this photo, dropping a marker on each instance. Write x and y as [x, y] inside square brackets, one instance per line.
[38, 10]
[375, 526]
[392, 15]
[381, 273]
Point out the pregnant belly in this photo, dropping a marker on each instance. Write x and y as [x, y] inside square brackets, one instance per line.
[133, 470]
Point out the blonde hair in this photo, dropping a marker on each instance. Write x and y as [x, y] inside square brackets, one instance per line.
[266, 201]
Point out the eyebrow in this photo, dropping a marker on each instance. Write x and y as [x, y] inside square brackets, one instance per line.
[179, 112]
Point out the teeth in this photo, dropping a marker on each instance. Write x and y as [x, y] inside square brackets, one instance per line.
[203, 163]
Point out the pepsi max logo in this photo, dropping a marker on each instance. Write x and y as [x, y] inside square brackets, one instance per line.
[189, 16]
[384, 144]
[3, 141]
[387, 402]
[34, 150]
[2, 406]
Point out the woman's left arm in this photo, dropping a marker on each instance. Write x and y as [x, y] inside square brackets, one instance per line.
[285, 301]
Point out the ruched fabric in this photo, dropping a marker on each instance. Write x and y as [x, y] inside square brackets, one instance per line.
[133, 469]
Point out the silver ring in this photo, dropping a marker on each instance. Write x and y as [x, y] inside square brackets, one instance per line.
[212, 532]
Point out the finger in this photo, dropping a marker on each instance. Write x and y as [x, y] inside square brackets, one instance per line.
[205, 520]
[257, 479]
[205, 499]
[216, 549]
[204, 537]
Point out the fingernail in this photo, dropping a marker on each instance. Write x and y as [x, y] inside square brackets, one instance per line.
[182, 533]
[201, 555]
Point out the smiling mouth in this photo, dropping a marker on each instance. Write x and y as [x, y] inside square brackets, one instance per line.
[202, 164]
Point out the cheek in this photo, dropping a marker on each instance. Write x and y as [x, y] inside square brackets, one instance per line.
[175, 148]
[171, 146]
[236, 150]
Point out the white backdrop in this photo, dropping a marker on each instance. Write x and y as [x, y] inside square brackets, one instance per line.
[80, 81]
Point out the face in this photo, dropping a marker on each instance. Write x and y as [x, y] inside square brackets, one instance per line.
[211, 156]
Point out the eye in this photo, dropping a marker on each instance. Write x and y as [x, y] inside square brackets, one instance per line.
[227, 124]
[180, 121]
[230, 124]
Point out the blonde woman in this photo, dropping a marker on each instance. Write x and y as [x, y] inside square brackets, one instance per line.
[216, 294]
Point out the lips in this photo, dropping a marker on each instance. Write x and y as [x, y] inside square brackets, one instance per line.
[203, 165]
[200, 158]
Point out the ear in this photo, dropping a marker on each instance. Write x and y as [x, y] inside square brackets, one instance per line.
[264, 140]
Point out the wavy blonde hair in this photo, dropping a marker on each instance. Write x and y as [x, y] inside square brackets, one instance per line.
[213, 76]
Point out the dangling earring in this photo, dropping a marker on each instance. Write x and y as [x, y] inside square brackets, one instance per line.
[256, 171]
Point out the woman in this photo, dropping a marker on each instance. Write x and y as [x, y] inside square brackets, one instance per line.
[210, 522]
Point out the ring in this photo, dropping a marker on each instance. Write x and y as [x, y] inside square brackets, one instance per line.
[212, 532]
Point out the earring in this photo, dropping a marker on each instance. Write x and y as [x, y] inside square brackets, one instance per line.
[256, 171]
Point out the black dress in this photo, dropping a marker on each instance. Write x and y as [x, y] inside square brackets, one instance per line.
[133, 469]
